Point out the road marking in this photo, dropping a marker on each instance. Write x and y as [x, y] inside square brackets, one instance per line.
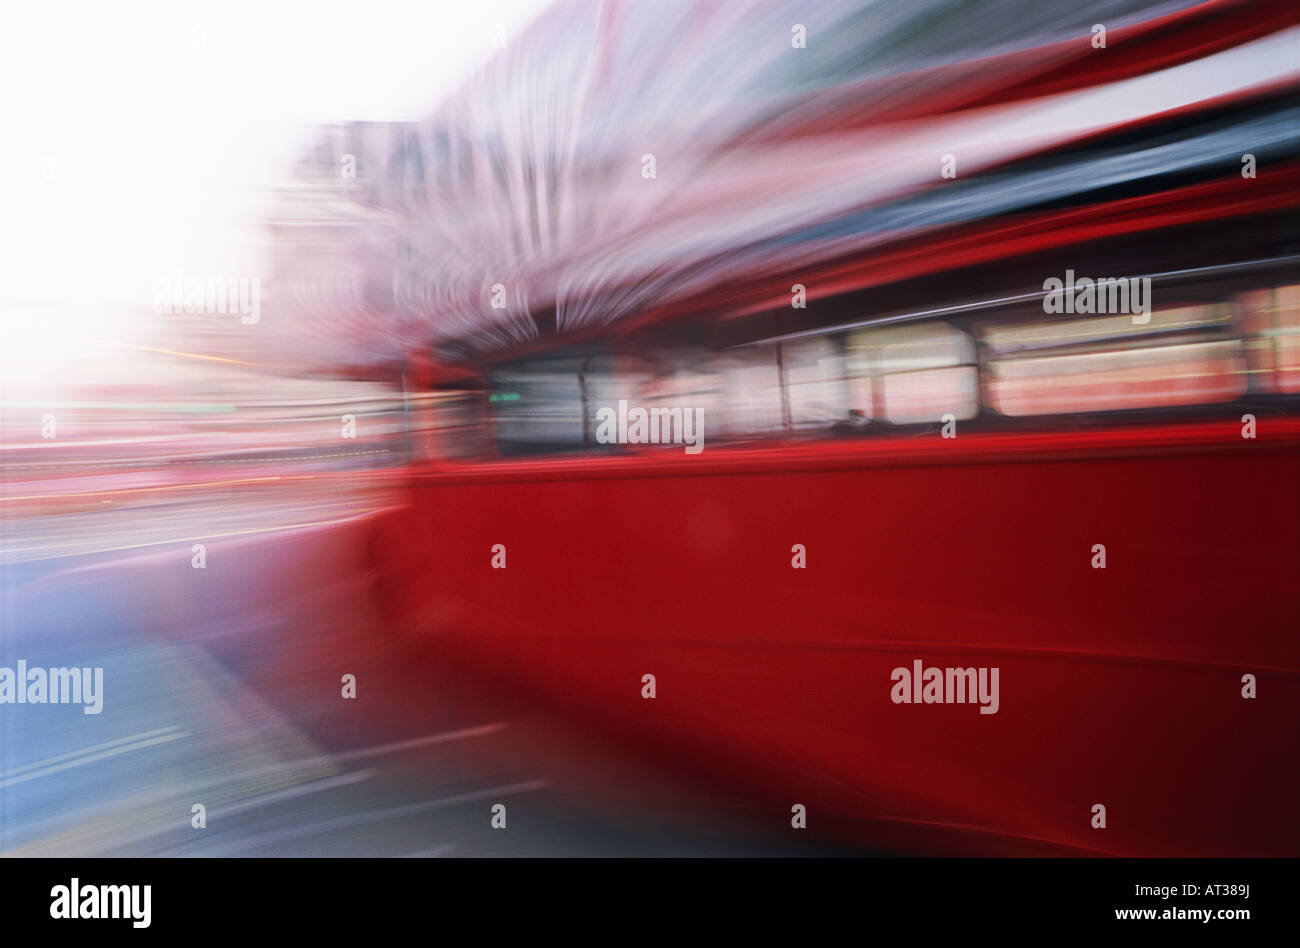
[433, 853]
[301, 790]
[221, 536]
[86, 750]
[260, 840]
[302, 764]
[92, 758]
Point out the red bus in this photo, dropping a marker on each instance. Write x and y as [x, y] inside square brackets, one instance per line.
[977, 535]
[1110, 519]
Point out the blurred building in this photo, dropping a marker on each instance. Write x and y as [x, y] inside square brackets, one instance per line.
[621, 160]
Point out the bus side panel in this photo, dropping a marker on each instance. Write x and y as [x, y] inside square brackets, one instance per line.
[1119, 686]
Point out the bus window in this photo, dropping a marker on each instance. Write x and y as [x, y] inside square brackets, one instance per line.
[608, 379]
[688, 382]
[1287, 341]
[751, 394]
[913, 374]
[1271, 319]
[816, 384]
[456, 425]
[537, 407]
[1110, 364]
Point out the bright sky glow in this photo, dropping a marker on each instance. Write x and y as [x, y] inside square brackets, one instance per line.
[138, 138]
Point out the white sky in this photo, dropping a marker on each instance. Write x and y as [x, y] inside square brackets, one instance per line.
[137, 137]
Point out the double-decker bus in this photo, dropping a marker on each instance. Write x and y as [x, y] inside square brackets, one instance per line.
[985, 533]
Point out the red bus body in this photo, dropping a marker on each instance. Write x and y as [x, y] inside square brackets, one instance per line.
[1147, 708]
[1119, 686]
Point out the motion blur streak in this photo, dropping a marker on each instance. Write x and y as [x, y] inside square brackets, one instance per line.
[989, 325]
